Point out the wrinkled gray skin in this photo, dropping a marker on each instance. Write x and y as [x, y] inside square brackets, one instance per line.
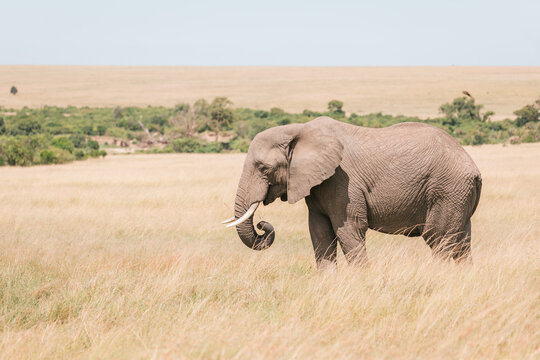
[411, 179]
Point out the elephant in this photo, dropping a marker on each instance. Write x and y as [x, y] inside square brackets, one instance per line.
[411, 179]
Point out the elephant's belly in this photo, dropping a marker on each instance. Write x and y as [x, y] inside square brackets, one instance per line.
[410, 230]
[396, 219]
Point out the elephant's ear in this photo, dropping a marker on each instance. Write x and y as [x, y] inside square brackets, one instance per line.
[314, 156]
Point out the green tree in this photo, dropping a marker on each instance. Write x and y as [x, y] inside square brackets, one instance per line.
[26, 127]
[221, 114]
[463, 109]
[19, 152]
[47, 157]
[88, 129]
[63, 143]
[118, 113]
[101, 130]
[275, 111]
[78, 140]
[201, 108]
[13, 90]
[487, 116]
[336, 107]
[184, 118]
[528, 113]
[92, 144]
[2, 126]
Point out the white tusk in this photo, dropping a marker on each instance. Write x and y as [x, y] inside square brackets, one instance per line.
[228, 220]
[246, 216]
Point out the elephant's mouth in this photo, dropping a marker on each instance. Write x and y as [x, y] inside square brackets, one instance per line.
[274, 192]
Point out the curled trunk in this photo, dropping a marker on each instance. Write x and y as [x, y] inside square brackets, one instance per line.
[244, 199]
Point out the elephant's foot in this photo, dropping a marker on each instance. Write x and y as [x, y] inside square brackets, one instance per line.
[324, 265]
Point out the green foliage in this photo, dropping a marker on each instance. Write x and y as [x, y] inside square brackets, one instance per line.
[47, 157]
[79, 154]
[128, 124]
[221, 113]
[335, 107]
[118, 113]
[54, 135]
[463, 109]
[13, 90]
[97, 153]
[275, 111]
[531, 132]
[92, 144]
[241, 145]
[187, 120]
[190, 145]
[528, 113]
[101, 130]
[17, 151]
[78, 140]
[63, 143]
[27, 126]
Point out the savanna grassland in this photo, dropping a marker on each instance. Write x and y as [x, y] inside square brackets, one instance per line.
[124, 257]
[411, 91]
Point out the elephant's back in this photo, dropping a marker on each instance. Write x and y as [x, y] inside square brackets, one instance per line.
[423, 142]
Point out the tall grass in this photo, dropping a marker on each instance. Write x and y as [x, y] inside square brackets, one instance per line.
[124, 257]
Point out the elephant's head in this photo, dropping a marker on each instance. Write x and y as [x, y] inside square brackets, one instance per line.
[285, 162]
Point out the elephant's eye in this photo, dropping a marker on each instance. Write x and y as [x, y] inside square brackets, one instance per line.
[263, 168]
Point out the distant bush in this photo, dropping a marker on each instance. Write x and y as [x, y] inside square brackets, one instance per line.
[528, 113]
[118, 113]
[53, 134]
[78, 140]
[241, 145]
[63, 143]
[26, 127]
[193, 145]
[101, 130]
[336, 107]
[18, 152]
[88, 130]
[79, 154]
[92, 144]
[463, 109]
[474, 138]
[47, 157]
[129, 124]
[97, 153]
[275, 111]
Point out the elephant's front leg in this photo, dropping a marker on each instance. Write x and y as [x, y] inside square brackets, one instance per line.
[324, 240]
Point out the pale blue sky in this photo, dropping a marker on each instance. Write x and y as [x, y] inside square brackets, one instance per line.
[274, 32]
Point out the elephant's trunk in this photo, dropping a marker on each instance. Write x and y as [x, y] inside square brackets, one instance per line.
[244, 201]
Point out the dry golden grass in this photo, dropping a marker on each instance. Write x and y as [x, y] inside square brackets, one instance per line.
[125, 258]
[394, 90]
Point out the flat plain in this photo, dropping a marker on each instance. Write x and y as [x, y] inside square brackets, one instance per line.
[124, 257]
[417, 91]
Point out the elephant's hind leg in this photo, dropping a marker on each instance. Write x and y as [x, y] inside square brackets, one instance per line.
[324, 240]
[448, 243]
[352, 238]
[461, 251]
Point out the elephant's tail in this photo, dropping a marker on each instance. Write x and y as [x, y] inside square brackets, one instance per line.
[477, 190]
